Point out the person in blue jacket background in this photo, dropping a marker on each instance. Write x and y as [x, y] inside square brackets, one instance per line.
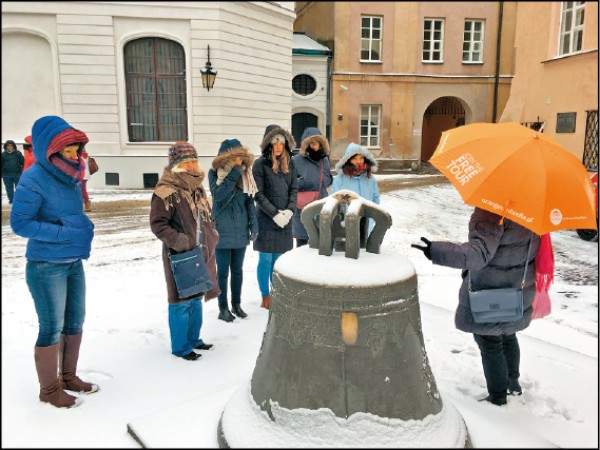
[355, 173]
[314, 174]
[48, 211]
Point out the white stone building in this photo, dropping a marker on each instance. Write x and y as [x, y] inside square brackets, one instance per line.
[129, 75]
[311, 86]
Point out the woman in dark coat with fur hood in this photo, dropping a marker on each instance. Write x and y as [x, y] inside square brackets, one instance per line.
[277, 183]
[314, 174]
[494, 257]
[233, 189]
[180, 217]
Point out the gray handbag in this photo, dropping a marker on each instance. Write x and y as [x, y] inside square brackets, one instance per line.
[498, 305]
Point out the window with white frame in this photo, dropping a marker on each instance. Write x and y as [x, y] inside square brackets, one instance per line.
[571, 27]
[370, 38]
[155, 85]
[473, 41]
[370, 120]
[433, 40]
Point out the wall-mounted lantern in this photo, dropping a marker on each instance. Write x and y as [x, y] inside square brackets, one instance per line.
[208, 76]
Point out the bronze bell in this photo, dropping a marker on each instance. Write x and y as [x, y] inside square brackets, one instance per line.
[343, 360]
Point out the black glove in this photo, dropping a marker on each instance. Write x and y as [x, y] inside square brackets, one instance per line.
[425, 249]
[253, 235]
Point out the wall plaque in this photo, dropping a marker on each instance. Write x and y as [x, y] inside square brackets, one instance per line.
[565, 122]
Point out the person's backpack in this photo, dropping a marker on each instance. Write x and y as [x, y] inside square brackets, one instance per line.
[93, 165]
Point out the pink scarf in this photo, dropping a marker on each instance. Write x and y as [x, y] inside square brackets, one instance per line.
[544, 277]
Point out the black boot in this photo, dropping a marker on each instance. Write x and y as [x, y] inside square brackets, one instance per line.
[514, 388]
[226, 315]
[238, 311]
[498, 401]
[191, 356]
[203, 346]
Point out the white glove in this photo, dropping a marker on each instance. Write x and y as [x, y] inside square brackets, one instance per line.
[288, 214]
[281, 219]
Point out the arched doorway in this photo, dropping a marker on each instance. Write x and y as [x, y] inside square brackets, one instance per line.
[300, 121]
[29, 72]
[442, 114]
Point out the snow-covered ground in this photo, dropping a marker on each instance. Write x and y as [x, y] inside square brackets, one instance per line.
[170, 402]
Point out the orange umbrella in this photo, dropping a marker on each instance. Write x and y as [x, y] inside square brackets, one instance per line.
[518, 173]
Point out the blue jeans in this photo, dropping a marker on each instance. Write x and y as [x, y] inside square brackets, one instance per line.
[264, 271]
[10, 183]
[230, 259]
[500, 356]
[185, 321]
[58, 291]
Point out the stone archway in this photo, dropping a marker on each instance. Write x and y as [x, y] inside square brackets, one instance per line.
[28, 73]
[442, 114]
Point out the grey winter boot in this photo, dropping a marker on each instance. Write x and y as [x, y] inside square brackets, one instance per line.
[46, 364]
[69, 354]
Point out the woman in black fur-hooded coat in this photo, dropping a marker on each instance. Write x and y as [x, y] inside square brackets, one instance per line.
[276, 180]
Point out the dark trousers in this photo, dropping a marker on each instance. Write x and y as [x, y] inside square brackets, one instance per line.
[230, 260]
[10, 183]
[500, 356]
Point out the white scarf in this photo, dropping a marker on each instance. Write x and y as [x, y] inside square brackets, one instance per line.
[248, 184]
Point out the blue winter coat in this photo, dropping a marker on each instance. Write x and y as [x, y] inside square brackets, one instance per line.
[495, 255]
[233, 210]
[363, 186]
[48, 207]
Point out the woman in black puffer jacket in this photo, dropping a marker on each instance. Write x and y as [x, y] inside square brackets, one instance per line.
[277, 182]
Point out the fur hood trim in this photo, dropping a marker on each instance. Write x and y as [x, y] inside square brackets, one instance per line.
[224, 157]
[314, 137]
[265, 145]
[355, 149]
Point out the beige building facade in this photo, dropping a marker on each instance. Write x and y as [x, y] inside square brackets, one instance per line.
[403, 72]
[556, 76]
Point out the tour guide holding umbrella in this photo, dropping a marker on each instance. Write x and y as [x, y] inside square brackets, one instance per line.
[523, 186]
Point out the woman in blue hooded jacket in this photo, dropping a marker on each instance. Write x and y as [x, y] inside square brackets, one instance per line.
[48, 211]
[233, 189]
[355, 173]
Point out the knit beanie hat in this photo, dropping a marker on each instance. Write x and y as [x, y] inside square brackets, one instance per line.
[66, 137]
[181, 151]
[229, 144]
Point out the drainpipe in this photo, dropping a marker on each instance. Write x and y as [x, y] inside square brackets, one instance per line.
[328, 98]
[497, 77]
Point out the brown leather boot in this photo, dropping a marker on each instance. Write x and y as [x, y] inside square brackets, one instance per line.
[266, 302]
[69, 354]
[87, 206]
[46, 364]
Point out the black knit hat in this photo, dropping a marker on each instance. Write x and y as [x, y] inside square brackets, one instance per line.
[229, 144]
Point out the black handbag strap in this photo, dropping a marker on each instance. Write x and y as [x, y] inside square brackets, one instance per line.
[526, 264]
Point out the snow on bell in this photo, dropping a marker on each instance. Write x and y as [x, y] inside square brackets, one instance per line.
[343, 360]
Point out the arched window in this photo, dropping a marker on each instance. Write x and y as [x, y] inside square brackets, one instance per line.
[156, 90]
